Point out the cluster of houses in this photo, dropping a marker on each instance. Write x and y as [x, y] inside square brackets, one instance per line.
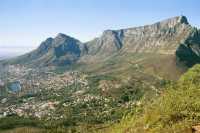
[23, 81]
[30, 108]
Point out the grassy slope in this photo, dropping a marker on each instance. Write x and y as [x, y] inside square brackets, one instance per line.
[159, 65]
[176, 110]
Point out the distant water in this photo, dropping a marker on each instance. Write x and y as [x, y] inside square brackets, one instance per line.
[12, 52]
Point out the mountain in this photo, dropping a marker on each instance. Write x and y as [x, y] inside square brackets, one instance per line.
[61, 50]
[163, 37]
[173, 36]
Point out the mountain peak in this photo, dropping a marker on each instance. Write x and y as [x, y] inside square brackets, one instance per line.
[60, 38]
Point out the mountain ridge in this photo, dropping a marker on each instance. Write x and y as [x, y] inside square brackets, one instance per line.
[164, 37]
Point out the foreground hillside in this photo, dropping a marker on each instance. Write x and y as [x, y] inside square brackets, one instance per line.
[176, 110]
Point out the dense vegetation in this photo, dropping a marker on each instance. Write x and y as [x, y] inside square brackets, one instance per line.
[176, 110]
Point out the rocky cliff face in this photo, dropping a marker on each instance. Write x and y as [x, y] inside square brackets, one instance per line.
[161, 37]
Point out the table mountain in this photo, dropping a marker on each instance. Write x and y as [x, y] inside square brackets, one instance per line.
[174, 36]
[162, 37]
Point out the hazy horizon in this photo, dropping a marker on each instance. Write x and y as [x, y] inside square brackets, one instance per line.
[12, 52]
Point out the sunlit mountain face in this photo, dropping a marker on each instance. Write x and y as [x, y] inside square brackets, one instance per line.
[9, 52]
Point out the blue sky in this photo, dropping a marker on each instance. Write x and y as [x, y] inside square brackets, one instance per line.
[25, 23]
